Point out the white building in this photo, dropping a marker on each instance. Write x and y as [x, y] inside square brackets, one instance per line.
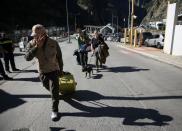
[172, 44]
[107, 29]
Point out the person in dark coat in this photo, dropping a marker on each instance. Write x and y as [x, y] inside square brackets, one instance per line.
[2, 71]
[83, 43]
[99, 49]
[8, 47]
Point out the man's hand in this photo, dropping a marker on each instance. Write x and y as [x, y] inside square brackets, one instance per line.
[40, 41]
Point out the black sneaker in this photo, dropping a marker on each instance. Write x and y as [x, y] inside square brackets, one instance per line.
[101, 66]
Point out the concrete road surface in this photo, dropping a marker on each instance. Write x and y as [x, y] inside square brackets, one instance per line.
[131, 93]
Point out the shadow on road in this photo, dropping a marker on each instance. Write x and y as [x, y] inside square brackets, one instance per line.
[33, 79]
[56, 128]
[8, 101]
[96, 76]
[19, 54]
[30, 71]
[125, 69]
[59, 129]
[131, 115]
[86, 95]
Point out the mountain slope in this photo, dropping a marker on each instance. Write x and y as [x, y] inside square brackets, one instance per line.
[19, 14]
[157, 10]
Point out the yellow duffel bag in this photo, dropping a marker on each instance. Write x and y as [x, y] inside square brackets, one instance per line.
[67, 83]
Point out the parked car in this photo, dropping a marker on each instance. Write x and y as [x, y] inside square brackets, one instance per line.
[23, 43]
[144, 36]
[115, 37]
[156, 40]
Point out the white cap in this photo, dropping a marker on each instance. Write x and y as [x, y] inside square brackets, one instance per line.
[37, 27]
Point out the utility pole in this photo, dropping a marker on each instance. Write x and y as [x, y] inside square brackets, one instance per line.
[112, 19]
[117, 24]
[129, 14]
[76, 14]
[68, 21]
[132, 19]
[75, 23]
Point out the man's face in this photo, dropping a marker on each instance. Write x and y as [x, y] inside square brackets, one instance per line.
[37, 34]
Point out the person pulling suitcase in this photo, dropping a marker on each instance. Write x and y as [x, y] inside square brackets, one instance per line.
[49, 56]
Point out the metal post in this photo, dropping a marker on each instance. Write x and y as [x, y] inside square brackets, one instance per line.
[117, 24]
[132, 14]
[125, 36]
[129, 15]
[75, 23]
[112, 19]
[68, 21]
[141, 42]
[135, 38]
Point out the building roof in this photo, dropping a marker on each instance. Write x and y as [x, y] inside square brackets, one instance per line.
[108, 26]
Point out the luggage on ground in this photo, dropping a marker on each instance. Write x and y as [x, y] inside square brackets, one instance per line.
[67, 84]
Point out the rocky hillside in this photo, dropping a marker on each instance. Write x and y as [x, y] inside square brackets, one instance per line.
[19, 14]
[157, 9]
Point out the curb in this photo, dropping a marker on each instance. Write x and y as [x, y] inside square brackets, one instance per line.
[154, 57]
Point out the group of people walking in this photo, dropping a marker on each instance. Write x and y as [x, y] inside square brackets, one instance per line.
[96, 45]
[49, 56]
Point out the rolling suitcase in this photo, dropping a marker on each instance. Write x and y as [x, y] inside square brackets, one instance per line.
[67, 84]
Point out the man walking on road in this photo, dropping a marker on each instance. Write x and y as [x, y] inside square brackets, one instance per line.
[49, 56]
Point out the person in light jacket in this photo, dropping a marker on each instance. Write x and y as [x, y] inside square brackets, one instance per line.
[49, 56]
